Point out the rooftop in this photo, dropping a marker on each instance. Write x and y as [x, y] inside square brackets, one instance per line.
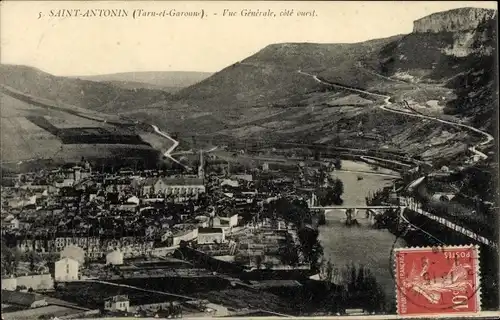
[182, 181]
[120, 298]
[210, 230]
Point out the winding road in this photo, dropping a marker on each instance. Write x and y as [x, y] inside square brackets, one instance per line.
[387, 103]
[168, 152]
[416, 182]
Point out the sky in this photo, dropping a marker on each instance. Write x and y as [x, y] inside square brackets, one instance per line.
[70, 46]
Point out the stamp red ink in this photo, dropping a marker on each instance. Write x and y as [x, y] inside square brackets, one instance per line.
[443, 280]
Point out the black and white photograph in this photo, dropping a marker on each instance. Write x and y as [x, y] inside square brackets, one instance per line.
[244, 159]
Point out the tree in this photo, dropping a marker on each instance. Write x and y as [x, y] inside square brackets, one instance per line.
[34, 259]
[86, 262]
[10, 259]
[258, 261]
[338, 186]
[289, 254]
[331, 194]
[362, 285]
[295, 212]
[310, 246]
[337, 163]
[326, 271]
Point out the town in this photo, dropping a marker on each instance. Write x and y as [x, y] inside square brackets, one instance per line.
[302, 172]
[76, 224]
[248, 219]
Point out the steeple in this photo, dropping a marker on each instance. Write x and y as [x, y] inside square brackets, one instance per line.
[201, 170]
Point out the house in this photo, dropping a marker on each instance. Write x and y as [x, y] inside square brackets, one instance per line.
[442, 197]
[230, 183]
[24, 299]
[186, 235]
[203, 221]
[66, 270]
[126, 207]
[115, 257]
[12, 224]
[230, 220]
[23, 225]
[117, 303]
[211, 235]
[65, 183]
[114, 184]
[242, 177]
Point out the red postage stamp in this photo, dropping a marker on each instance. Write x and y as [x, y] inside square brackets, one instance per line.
[437, 280]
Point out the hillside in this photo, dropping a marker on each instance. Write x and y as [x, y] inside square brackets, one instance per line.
[462, 61]
[37, 131]
[272, 95]
[170, 81]
[270, 76]
[92, 95]
[287, 92]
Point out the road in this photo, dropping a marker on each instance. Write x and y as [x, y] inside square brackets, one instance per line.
[387, 102]
[409, 203]
[168, 152]
[416, 182]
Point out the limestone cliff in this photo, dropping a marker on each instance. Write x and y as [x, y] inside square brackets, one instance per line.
[461, 19]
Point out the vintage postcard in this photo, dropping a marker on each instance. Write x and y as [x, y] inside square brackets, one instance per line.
[208, 159]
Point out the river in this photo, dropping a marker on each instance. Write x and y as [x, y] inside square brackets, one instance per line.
[362, 245]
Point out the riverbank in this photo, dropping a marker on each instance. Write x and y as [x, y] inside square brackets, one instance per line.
[361, 245]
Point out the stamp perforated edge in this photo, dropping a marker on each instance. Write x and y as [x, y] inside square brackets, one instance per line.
[477, 294]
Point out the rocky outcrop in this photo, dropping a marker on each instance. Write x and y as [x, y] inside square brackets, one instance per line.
[461, 19]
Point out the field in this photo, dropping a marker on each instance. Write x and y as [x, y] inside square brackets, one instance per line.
[39, 131]
[48, 311]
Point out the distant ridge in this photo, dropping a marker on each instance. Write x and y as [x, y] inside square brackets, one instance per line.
[163, 80]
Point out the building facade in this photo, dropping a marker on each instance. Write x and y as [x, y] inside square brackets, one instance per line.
[211, 235]
[117, 303]
[66, 270]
